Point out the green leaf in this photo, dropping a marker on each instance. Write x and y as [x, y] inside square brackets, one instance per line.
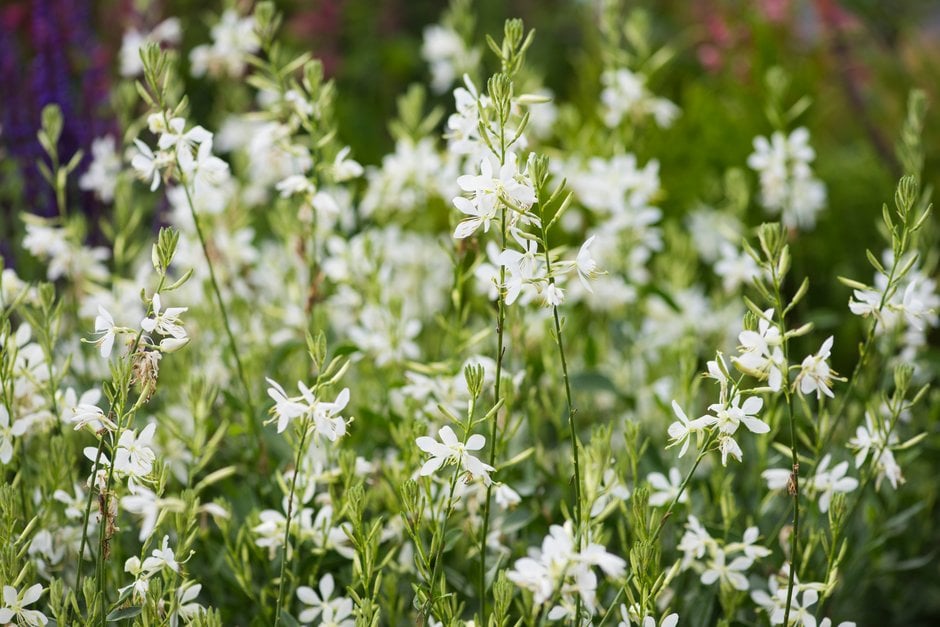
[124, 613]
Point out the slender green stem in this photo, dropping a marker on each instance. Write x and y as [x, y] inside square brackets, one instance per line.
[794, 484]
[494, 425]
[438, 547]
[233, 345]
[685, 482]
[305, 427]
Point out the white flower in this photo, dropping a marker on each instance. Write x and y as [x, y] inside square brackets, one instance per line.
[787, 182]
[134, 455]
[104, 324]
[585, 264]
[233, 40]
[489, 191]
[506, 497]
[727, 445]
[7, 433]
[141, 583]
[829, 482]
[324, 417]
[799, 610]
[695, 542]
[815, 374]
[665, 491]
[762, 355]
[161, 558]
[188, 608]
[749, 546]
[728, 417]
[625, 96]
[682, 430]
[451, 451]
[91, 416]
[149, 165]
[334, 612]
[553, 295]
[14, 606]
[166, 322]
[143, 502]
[718, 570]
[166, 32]
[101, 176]
[344, 168]
[872, 438]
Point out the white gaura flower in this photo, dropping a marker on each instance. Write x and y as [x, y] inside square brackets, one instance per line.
[815, 374]
[344, 168]
[165, 322]
[161, 558]
[665, 490]
[450, 450]
[762, 352]
[101, 176]
[695, 542]
[718, 570]
[585, 264]
[189, 609]
[799, 609]
[871, 438]
[480, 213]
[748, 545]
[324, 417]
[489, 191]
[828, 482]
[728, 417]
[553, 295]
[14, 606]
[8, 432]
[104, 324]
[333, 611]
[175, 136]
[145, 503]
[87, 415]
[134, 455]
[680, 432]
[506, 497]
[149, 165]
[727, 445]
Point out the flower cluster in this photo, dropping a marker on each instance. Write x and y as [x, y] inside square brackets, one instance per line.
[788, 186]
[557, 567]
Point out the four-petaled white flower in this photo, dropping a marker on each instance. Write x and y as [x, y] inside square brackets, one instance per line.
[666, 490]
[8, 432]
[728, 417]
[680, 432]
[585, 264]
[815, 374]
[166, 322]
[324, 416]
[336, 612]
[718, 570]
[161, 558]
[14, 606]
[762, 352]
[451, 450]
[104, 324]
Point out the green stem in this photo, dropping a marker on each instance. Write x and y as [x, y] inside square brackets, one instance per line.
[794, 485]
[305, 427]
[685, 482]
[252, 422]
[438, 547]
[494, 425]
